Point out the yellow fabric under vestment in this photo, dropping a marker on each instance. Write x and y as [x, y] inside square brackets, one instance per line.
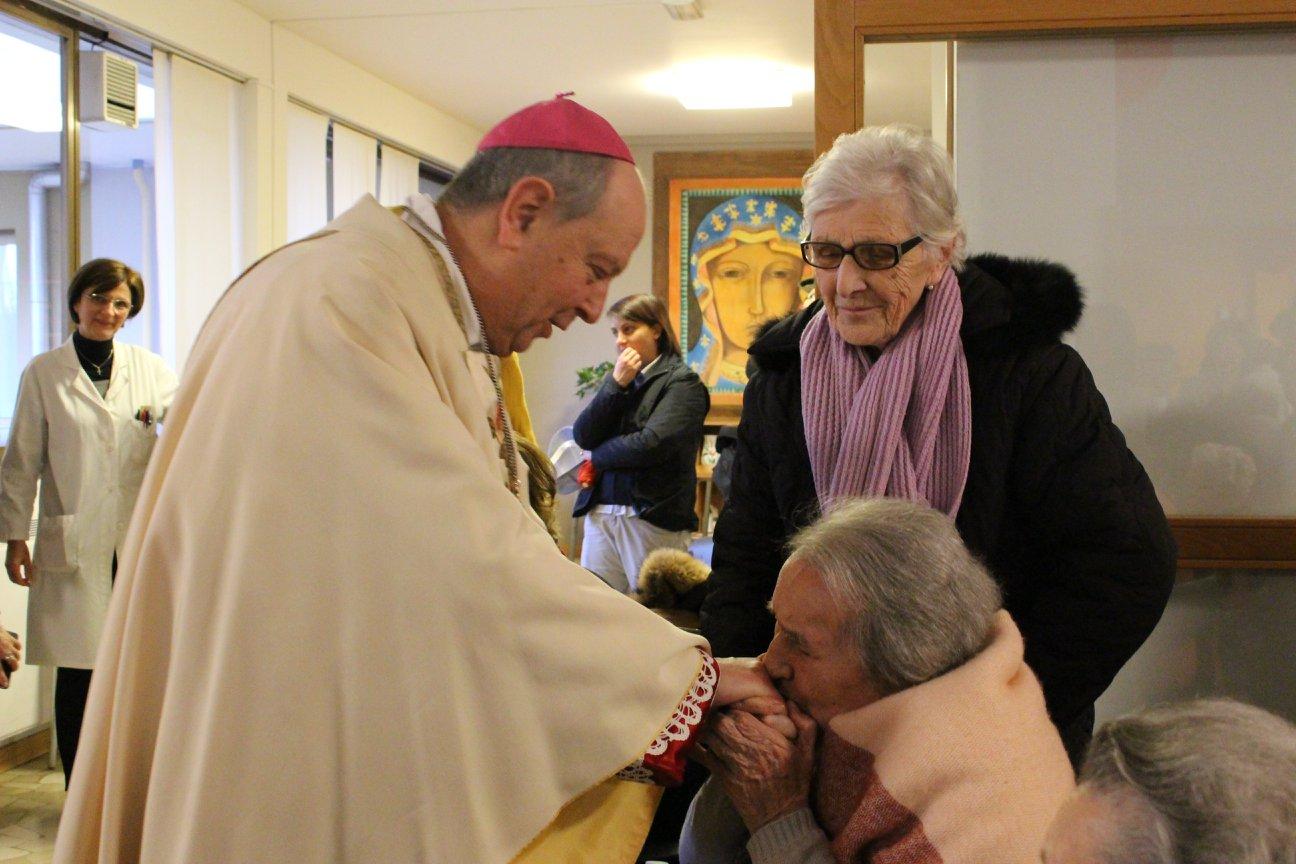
[608, 823]
[515, 404]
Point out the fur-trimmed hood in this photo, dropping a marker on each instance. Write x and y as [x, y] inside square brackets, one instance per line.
[1007, 303]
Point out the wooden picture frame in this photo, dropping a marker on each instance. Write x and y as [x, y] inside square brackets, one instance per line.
[718, 211]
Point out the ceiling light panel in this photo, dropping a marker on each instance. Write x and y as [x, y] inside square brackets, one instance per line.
[732, 84]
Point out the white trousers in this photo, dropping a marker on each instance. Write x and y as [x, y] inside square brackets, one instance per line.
[617, 542]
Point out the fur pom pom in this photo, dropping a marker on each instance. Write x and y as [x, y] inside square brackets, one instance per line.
[671, 579]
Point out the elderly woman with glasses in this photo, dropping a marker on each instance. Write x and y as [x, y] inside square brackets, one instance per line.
[84, 426]
[921, 375]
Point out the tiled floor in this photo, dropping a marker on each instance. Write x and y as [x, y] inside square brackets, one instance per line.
[31, 798]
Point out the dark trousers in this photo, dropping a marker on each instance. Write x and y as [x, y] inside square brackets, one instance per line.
[71, 687]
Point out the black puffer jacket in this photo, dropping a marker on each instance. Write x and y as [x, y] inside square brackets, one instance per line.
[643, 441]
[1055, 504]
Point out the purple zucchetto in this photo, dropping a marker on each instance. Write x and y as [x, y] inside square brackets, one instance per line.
[558, 124]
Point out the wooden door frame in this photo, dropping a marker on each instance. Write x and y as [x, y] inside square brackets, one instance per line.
[842, 27]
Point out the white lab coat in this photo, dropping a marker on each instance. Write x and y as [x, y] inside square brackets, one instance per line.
[89, 452]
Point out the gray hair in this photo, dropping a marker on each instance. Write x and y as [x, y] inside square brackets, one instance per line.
[916, 602]
[579, 179]
[880, 161]
[1205, 782]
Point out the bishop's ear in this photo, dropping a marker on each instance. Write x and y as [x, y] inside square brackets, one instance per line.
[527, 200]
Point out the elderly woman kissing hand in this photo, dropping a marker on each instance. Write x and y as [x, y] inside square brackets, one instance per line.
[926, 737]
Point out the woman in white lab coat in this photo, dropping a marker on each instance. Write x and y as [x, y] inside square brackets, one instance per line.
[84, 426]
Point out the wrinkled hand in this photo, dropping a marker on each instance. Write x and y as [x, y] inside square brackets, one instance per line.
[10, 656]
[745, 678]
[772, 712]
[765, 775]
[18, 563]
[627, 367]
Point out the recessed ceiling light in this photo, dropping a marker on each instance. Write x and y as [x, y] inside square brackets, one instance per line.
[683, 10]
[732, 83]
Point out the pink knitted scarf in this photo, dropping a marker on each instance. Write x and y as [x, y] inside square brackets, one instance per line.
[901, 429]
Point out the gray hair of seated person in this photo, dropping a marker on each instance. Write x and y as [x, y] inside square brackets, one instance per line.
[1204, 782]
[579, 179]
[917, 603]
[881, 161]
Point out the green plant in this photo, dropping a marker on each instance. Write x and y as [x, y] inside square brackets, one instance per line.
[590, 377]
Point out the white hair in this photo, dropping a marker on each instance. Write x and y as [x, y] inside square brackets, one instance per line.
[881, 161]
[917, 603]
[1206, 782]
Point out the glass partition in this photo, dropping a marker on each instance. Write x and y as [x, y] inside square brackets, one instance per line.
[33, 235]
[1159, 169]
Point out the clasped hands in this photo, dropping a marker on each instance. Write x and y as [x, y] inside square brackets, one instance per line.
[758, 746]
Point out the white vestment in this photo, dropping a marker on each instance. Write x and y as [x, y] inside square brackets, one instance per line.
[336, 636]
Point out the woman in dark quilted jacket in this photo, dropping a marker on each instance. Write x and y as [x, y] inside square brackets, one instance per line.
[643, 429]
[921, 375]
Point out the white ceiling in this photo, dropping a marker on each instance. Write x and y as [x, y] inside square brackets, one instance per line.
[480, 60]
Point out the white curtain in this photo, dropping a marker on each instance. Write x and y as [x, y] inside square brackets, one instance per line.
[307, 171]
[399, 178]
[355, 167]
[199, 202]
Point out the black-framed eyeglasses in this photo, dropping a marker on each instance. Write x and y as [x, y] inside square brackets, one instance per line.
[870, 256]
